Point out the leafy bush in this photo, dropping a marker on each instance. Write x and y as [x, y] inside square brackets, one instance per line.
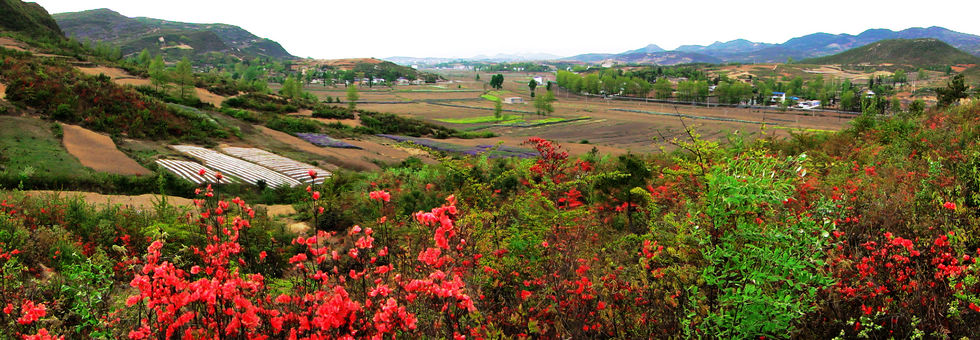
[333, 112]
[294, 124]
[260, 102]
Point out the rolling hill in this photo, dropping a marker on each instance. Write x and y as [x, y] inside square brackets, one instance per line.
[171, 37]
[28, 18]
[916, 52]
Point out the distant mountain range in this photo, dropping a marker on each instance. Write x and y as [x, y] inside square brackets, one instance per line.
[171, 37]
[808, 46]
[498, 58]
[739, 50]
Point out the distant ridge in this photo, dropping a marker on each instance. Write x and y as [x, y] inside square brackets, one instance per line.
[916, 52]
[171, 37]
[807, 46]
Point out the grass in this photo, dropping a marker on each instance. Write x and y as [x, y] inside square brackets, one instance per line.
[28, 142]
[490, 97]
[478, 120]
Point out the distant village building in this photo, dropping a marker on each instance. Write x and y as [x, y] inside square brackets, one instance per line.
[808, 104]
[514, 100]
[403, 81]
[539, 80]
[778, 97]
[418, 82]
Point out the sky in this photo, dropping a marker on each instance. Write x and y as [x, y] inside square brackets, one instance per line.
[330, 29]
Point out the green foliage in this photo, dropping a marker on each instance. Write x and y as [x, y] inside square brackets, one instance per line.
[543, 104]
[762, 267]
[387, 123]
[352, 96]
[953, 92]
[498, 108]
[294, 124]
[260, 102]
[333, 112]
[692, 90]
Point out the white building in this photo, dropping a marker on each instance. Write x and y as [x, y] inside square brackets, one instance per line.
[514, 100]
[808, 104]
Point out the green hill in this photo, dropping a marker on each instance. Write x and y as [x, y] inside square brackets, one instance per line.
[28, 18]
[916, 52]
[175, 39]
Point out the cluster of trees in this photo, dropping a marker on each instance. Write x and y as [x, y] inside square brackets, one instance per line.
[520, 67]
[692, 90]
[609, 82]
[497, 81]
[181, 76]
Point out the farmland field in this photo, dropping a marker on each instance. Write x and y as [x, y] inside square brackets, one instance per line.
[99, 152]
[246, 171]
[290, 168]
[615, 125]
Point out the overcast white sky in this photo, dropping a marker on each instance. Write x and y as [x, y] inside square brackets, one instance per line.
[464, 28]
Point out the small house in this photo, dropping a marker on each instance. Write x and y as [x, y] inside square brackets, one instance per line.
[514, 100]
[778, 97]
[808, 104]
[402, 81]
[539, 80]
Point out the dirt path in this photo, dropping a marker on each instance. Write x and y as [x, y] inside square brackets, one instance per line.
[99, 152]
[147, 201]
[3, 91]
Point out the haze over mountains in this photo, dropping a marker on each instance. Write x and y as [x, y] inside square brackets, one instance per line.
[741, 50]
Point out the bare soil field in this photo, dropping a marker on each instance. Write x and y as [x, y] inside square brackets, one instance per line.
[98, 152]
[112, 72]
[608, 128]
[208, 97]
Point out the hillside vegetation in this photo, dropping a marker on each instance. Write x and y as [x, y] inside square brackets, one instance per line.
[178, 38]
[27, 17]
[916, 52]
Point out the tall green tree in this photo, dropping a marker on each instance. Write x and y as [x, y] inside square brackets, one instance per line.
[953, 92]
[158, 73]
[291, 88]
[352, 96]
[662, 89]
[183, 76]
[532, 85]
[543, 104]
[498, 109]
[145, 58]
